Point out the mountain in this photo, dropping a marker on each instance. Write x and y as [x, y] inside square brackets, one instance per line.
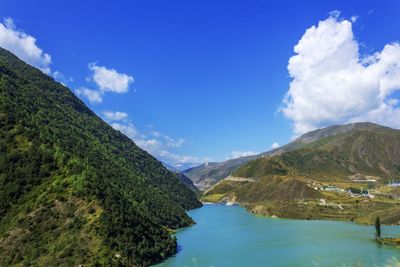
[186, 181]
[208, 174]
[319, 134]
[179, 167]
[169, 167]
[272, 188]
[184, 166]
[311, 177]
[183, 178]
[74, 191]
[334, 153]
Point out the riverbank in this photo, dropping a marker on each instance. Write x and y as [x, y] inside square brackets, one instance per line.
[361, 211]
[389, 241]
[295, 199]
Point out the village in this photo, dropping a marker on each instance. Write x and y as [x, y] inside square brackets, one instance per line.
[364, 188]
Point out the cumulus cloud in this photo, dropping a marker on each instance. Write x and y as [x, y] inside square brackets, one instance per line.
[93, 96]
[331, 82]
[109, 80]
[114, 115]
[238, 154]
[24, 46]
[275, 145]
[106, 80]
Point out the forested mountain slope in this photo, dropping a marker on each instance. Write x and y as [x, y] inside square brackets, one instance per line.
[72, 189]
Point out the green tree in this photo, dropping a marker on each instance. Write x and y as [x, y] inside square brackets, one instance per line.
[378, 227]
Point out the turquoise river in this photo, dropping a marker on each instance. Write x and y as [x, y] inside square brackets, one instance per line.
[230, 236]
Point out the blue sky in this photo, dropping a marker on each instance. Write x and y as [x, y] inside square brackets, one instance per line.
[205, 80]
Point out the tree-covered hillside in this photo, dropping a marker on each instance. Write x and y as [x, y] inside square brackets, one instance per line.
[72, 189]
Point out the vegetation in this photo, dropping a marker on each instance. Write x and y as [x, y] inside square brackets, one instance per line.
[286, 197]
[186, 181]
[72, 189]
[378, 227]
[390, 241]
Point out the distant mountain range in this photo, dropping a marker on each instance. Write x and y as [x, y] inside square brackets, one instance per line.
[178, 167]
[208, 174]
[74, 191]
[365, 144]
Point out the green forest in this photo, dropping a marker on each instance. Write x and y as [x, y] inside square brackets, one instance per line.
[72, 189]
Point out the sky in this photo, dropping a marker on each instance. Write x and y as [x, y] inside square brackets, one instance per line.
[199, 81]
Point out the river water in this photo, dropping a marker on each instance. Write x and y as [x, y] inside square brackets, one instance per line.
[230, 236]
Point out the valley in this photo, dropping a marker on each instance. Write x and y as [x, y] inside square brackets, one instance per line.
[338, 173]
[199, 133]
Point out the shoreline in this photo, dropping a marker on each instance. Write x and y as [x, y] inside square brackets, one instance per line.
[370, 230]
[389, 241]
[265, 210]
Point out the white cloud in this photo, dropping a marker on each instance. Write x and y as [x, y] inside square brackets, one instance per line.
[169, 141]
[275, 145]
[159, 149]
[60, 77]
[334, 14]
[238, 154]
[126, 128]
[115, 115]
[175, 142]
[93, 96]
[158, 145]
[331, 83]
[152, 146]
[109, 80]
[24, 46]
[178, 160]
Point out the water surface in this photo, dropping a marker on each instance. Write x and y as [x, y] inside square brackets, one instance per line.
[230, 236]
